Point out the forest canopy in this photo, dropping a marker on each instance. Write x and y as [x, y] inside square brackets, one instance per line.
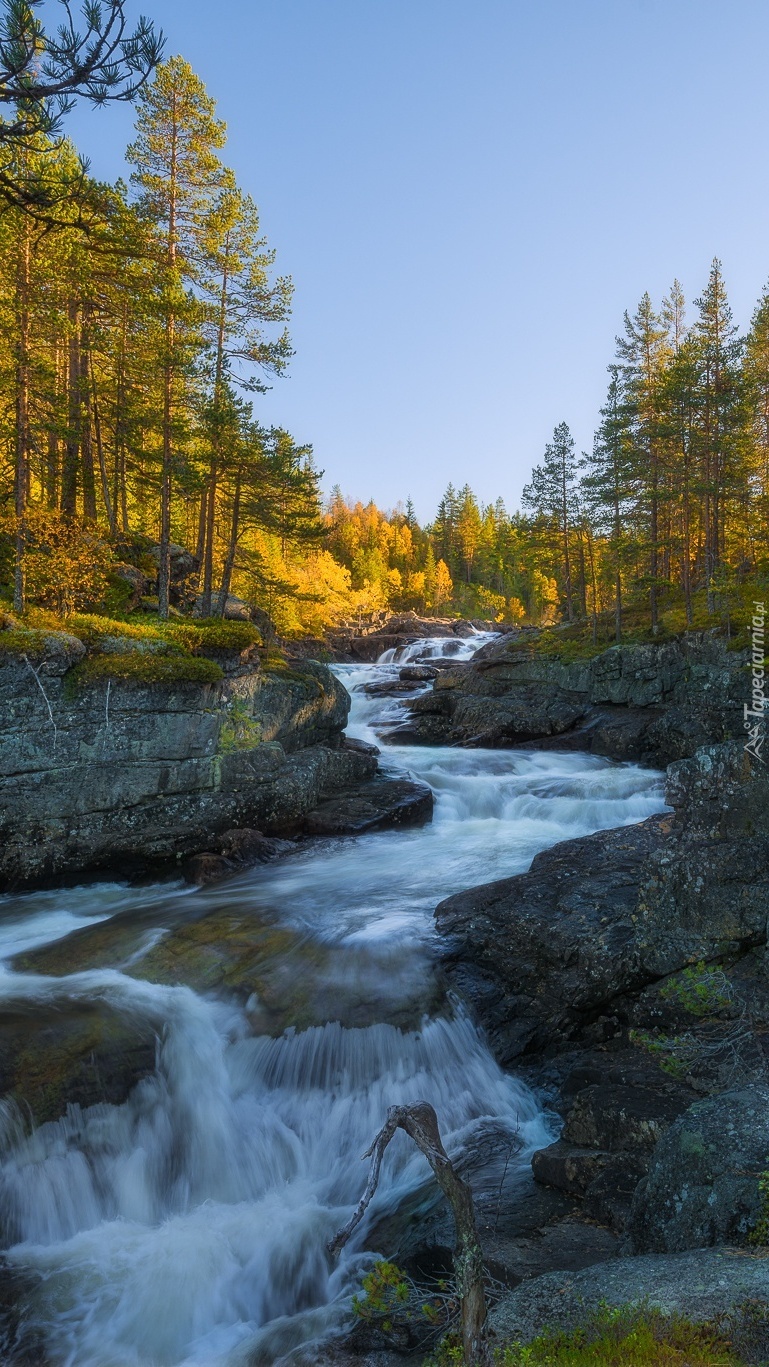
[139, 324]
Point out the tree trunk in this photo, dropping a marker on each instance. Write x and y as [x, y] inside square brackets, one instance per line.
[421, 1123]
[69, 479]
[109, 506]
[208, 559]
[593, 581]
[84, 424]
[164, 567]
[229, 563]
[208, 563]
[200, 548]
[653, 599]
[21, 472]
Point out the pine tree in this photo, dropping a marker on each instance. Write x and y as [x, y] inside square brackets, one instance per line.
[178, 175]
[722, 416]
[551, 495]
[240, 299]
[755, 493]
[468, 529]
[642, 353]
[42, 74]
[609, 484]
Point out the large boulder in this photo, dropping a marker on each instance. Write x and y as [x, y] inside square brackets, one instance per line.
[184, 570]
[543, 954]
[381, 803]
[703, 1184]
[618, 1103]
[123, 775]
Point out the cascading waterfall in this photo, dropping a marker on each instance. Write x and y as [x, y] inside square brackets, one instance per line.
[188, 1226]
[437, 648]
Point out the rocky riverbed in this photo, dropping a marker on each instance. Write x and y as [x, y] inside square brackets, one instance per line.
[625, 973]
[617, 965]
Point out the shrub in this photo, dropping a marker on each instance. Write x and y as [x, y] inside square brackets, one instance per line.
[404, 1312]
[239, 730]
[700, 990]
[66, 563]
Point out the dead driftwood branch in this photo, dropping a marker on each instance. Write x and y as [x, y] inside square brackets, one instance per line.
[421, 1123]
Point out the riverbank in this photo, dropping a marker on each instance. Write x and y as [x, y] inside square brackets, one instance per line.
[131, 757]
[648, 703]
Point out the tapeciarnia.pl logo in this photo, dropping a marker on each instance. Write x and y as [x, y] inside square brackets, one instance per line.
[755, 712]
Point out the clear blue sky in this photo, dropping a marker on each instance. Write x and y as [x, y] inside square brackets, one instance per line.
[468, 195]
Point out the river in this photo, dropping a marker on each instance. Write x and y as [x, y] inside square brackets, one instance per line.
[188, 1225]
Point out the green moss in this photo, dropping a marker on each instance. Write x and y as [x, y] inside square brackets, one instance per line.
[239, 730]
[274, 661]
[91, 629]
[117, 594]
[143, 669]
[23, 642]
[211, 633]
[627, 1336]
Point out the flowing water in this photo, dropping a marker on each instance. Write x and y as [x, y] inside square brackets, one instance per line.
[188, 1225]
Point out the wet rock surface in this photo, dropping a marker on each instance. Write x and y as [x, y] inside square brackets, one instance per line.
[64, 1053]
[546, 955]
[235, 850]
[526, 1228]
[365, 644]
[617, 1103]
[381, 803]
[60, 1050]
[627, 971]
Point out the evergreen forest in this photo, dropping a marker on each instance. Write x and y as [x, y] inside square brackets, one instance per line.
[141, 321]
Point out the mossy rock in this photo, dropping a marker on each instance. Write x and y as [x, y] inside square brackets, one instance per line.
[144, 669]
[33, 643]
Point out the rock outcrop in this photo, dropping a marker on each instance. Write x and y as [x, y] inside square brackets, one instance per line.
[121, 774]
[548, 954]
[628, 969]
[650, 703]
